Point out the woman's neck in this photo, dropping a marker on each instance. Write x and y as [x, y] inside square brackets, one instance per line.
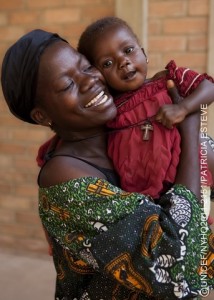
[89, 147]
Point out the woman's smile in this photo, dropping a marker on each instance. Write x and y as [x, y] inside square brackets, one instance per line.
[98, 100]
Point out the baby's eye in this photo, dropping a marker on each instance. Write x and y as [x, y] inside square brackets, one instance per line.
[129, 50]
[107, 64]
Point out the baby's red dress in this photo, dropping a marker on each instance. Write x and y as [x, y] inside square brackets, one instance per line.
[149, 166]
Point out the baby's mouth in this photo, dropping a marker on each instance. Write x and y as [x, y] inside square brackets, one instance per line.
[129, 75]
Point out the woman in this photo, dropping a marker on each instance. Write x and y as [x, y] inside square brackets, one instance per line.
[107, 244]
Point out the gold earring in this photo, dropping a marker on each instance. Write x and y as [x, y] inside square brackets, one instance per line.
[50, 124]
[147, 60]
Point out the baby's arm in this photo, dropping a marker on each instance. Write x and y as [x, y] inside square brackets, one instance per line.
[170, 115]
[203, 94]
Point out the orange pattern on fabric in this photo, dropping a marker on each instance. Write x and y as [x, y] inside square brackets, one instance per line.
[77, 265]
[154, 230]
[63, 214]
[101, 188]
[123, 270]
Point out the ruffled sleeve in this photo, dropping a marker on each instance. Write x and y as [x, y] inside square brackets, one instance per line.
[46, 149]
[185, 79]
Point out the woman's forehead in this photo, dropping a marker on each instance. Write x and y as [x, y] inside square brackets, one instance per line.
[60, 49]
[60, 55]
[60, 60]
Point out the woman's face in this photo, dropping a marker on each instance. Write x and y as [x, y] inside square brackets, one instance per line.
[71, 91]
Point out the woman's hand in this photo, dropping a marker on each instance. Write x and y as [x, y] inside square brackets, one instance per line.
[172, 114]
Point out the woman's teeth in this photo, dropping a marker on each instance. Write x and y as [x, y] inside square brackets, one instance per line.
[99, 99]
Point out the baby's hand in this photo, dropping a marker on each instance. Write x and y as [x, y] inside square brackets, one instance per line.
[172, 114]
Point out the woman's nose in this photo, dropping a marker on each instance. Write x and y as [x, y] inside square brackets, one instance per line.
[88, 82]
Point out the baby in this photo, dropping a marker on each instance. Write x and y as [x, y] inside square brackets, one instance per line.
[143, 143]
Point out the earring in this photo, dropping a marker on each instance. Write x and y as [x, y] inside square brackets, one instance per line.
[50, 124]
[147, 60]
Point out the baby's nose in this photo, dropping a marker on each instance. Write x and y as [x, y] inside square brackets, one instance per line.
[123, 62]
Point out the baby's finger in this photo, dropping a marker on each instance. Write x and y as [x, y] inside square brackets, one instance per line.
[158, 116]
[173, 92]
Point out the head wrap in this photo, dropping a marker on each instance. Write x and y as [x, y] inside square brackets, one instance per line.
[19, 71]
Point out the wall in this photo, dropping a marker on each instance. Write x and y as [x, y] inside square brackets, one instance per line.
[176, 29]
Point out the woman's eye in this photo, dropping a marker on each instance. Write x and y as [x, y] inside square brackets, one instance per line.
[107, 64]
[67, 86]
[88, 69]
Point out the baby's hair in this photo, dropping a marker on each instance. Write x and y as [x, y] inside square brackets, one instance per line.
[94, 30]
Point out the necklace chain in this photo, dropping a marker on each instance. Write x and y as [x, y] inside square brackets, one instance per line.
[138, 124]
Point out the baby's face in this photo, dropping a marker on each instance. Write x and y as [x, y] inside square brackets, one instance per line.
[119, 57]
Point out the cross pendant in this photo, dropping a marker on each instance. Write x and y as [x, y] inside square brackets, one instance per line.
[146, 127]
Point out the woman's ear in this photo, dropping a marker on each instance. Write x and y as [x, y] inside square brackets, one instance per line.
[39, 116]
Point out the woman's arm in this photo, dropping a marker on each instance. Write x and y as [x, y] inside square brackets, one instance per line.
[145, 247]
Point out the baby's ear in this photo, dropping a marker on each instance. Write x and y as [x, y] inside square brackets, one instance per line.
[147, 60]
[143, 51]
[39, 116]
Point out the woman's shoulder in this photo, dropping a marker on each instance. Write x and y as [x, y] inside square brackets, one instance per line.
[61, 169]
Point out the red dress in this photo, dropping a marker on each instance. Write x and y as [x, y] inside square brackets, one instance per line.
[148, 166]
